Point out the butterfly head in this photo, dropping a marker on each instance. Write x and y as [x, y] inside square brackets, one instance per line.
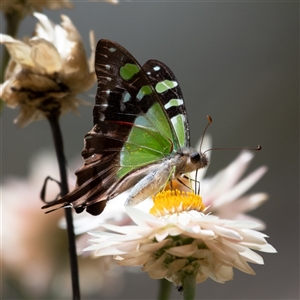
[194, 160]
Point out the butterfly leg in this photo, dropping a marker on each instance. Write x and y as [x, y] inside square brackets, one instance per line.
[150, 185]
[169, 180]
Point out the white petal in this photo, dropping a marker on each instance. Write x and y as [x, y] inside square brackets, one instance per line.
[240, 188]
[143, 219]
[153, 264]
[240, 224]
[227, 233]
[177, 265]
[152, 247]
[203, 234]
[227, 177]
[263, 248]
[44, 29]
[161, 235]
[267, 248]
[45, 56]
[222, 274]
[69, 27]
[164, 232]
[252, 256]
[183, 251]
[19, 51]
[135, 261]
[158, 273]
[254, 237]
[241, 205]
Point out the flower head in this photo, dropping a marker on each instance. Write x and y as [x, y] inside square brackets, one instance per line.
[181, 242]
[46, 73]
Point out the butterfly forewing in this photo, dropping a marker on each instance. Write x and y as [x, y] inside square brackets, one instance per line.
[127, 99]
[139, 119]
[166, 85]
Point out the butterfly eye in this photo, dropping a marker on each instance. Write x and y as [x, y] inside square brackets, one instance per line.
[195, 157]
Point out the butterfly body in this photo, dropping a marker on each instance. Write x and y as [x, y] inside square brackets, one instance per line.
[140, 138]
[170, 168]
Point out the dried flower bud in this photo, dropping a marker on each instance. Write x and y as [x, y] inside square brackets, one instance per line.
[28, 6]
[46, 73]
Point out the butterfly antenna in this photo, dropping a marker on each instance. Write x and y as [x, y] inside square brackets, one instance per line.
[204, 131]
[258, 148]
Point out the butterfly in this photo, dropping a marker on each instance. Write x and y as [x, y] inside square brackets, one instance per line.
[140, 138]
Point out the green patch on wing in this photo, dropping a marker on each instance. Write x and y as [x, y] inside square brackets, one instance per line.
[145, 90]
[150, 140]
[144, 146]
[173, 102]
[159, 121]
[178, 124]
[165, 85]
[128, 71]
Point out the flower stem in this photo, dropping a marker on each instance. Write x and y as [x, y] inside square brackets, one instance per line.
[58, 142]
[189, 286]
[164, 289]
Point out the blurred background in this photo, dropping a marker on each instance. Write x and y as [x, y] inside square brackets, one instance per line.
[236, 61]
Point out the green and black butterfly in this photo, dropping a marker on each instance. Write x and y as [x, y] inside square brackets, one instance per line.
[140, 138]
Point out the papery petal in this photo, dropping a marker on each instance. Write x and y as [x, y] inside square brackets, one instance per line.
[203, 234]
[143, 219]
[135, 261]
[19, 51]
[45, 56]
[152, 247]
[155, 263]
[221, 274]
[45, 29]
[183, 251]
[158, 273]
[226, 178]
[244, 204]
[263, 248]
[241, 187]
[177, 265]
[254, 237]
[244, 224]
[164, 232]
[130, 229]
[227, 233]
[73, 33]
[252, 256]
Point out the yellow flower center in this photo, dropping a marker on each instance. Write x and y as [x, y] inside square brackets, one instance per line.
[175, 201]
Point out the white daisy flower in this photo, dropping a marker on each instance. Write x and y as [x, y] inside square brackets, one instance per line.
[179, 238]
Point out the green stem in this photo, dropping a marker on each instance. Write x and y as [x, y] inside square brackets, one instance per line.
[58, 142]
[189, 287]
[164, 289]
